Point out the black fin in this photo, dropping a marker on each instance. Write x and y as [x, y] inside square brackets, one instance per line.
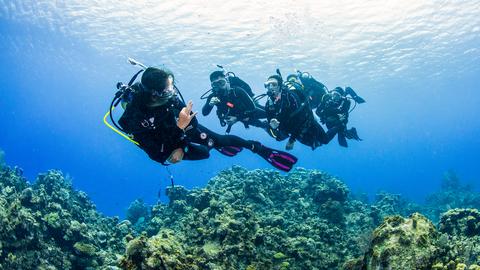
[353, 94]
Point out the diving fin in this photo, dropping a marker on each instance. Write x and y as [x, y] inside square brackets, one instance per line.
[229, 150]
[352, 134]
[359, 99]
[351, 92]
[279, 159]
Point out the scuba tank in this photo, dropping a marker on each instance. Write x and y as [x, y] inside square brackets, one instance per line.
[235, 81]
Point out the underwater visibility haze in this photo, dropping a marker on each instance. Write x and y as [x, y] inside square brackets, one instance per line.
[416, 63]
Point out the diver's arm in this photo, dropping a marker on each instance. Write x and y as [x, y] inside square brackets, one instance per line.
[186, 117]
[344, 110]
[176, 156]
[207, 108]
[345, 106]
[180, 106]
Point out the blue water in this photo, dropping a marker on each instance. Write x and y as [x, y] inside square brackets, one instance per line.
[417, 65]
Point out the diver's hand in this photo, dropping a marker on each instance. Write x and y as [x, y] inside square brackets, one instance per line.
[342, 117]
[290, 144]
[176, 156]
[185, 116]
[231, 120]
[274, 123]
[214, 101]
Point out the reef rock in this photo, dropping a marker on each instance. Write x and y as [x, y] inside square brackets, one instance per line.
[403, 243]
[49, 225]
[461, 222]
[259, 220]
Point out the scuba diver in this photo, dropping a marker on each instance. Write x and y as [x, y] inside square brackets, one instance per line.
[233, 99]
[289, 116]
[157, 119]
[333, 107]
[334, 110]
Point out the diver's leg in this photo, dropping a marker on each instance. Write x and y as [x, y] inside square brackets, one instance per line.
[331, 132]
[196, 152]
[279, 159]
[322, 136]
[212, 139]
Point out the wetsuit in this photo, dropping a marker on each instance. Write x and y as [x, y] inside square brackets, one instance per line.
[239, 104]
[333, 112]
[296, 120]
[156, 131]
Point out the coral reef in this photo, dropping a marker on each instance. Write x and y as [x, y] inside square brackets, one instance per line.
[49, 225]
[2, 159]
[305, 220]
[415, 243]
[137, 214]
[241, 219]
[402, 243]
[387, 204]
[453, 194]
[460, 240]
[257, 220]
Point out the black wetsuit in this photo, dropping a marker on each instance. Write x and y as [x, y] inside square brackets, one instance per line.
[333, 112]
[296, 120]
[239, 104]
[156, 131]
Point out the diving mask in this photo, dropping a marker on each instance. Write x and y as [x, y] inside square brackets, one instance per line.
[220, 83]
[272, 86]
[168, 91]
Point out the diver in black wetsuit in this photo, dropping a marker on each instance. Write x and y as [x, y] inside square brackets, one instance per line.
[334, 110]
[332, 107]
[167, 130]
[233, 103]
[289, 116]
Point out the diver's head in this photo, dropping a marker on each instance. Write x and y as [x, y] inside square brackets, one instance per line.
[273, 85]
[339, 90]
[159, 83]
[335, 97]
[219, 82]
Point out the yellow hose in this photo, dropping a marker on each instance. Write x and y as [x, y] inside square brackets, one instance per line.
[271, 132]
[116, 130]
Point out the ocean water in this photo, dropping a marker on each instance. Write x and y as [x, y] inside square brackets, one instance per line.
[417, 63]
